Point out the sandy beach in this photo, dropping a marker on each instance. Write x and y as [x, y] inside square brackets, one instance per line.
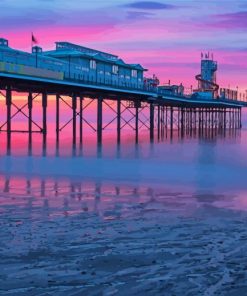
[79, 239]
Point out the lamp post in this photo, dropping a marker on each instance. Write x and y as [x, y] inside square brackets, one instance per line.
[36, 57]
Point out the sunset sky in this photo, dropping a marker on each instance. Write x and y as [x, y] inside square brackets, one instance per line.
[167, 37]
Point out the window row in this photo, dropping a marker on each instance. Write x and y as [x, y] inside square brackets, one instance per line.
[115, 68]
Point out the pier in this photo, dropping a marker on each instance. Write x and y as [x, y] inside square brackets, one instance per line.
[42, 75]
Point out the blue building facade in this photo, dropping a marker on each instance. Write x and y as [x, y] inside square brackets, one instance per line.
[94, 66]
[74, 62]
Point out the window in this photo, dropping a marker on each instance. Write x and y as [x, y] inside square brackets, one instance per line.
[92, 64]
[134, 73]
[115, 69]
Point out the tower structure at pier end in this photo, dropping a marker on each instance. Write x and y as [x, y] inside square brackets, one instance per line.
[207, 83]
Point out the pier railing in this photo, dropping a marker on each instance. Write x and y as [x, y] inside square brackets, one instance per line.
[114, 84]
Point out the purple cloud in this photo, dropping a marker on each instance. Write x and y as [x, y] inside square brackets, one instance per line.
[237, 20]
[138, 15]
[149, 5]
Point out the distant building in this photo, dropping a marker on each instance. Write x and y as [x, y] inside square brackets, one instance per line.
[226, 93]
[177, 90]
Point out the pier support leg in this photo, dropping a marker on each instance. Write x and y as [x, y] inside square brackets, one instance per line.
[203, 121]
[81, 118]
[162, 122]
[230, 118]
[182, 122]
[199, 121]
[178, 120]
[99, 120]
[186, 120]
[171, 122]
[221, 119]
[44, 128]
[44, 107]
[30, 107]
[57, 117]
[237, 119]
[224, 119]
[136, 124]
[118, 121]
[158, 122]
[74, 105]
[8, 104]
[240, 117]
[191, 121]
[151, 122]
[212, 119]
[195, 120]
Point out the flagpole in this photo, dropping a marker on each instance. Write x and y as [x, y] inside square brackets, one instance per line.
[31, 42]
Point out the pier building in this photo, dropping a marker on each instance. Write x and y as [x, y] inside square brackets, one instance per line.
[93, 66]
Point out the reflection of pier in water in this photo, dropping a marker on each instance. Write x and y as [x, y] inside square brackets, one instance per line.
[41, 197]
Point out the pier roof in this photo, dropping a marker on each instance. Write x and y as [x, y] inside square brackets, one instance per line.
[71, 46]
[66, 49]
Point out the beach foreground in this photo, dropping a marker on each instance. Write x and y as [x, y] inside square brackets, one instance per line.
[103, 239]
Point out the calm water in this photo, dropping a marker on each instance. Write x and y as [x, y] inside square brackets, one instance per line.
[167, 218]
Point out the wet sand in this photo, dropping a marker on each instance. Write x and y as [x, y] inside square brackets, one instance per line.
[69, 239]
